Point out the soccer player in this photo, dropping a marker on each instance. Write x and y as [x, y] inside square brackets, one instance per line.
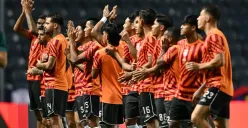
[31, 34]
[111, 100]
[169, 69]
[216, 63]
[144, 59]
[90, 90]
[3, 51]
[161, 23]
[79, 43]
[43, 40]
[55, 70]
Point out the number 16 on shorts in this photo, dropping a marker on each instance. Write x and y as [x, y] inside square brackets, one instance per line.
[146, 110]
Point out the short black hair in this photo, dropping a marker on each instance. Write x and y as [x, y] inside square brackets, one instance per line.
[41, 27]
[164, 20]
[93, 21]
[42, 17]
[148, 16]
[213, 10]
[113, 35]
[82, 24]
[175, 33]
[56, 18]
[191, 20]
[133, 16]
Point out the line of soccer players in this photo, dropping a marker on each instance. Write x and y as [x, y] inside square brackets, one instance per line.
[149, 73]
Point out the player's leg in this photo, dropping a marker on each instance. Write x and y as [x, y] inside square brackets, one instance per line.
[79, 106]
[214, 102]
[178, 112]
[77, 120]
[148, 109]
[161, 112]
[91, 104]
[132, 110]
[111, 115]
[167, 105]
[35, 105]
[70, 115]
[56, 105]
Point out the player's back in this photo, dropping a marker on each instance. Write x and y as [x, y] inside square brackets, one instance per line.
[216, 42]
[111, 89]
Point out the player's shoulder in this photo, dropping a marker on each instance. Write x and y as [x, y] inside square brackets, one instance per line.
[214, 35]
[182, 42]
[60, 38]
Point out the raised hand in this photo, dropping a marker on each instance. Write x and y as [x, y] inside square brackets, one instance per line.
[71, 32]
[27, 5]
[114, 14]
[125, 36]
[106, 12]
[165, 44]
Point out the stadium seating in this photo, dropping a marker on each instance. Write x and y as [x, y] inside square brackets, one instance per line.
[232, 23]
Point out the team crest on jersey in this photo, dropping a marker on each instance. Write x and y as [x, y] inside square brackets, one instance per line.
[138, 47]
[185, 53]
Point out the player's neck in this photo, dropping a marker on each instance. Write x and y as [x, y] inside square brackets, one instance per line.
[191, 39]
[87, 39]
[147, 29]
[55, 33]
[209, 27]
[132, 33]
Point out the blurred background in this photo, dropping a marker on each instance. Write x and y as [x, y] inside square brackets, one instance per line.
[13, 84]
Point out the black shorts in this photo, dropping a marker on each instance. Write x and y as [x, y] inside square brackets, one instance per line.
[181, 110]
[44, 107]
[148, 108]
[56, 102]
[132, 106]
[34, 94]
[70, 106]
[124, 101]
[167, 105]
[161, 112]
[87, 105]
[111, 114]
[218, 101]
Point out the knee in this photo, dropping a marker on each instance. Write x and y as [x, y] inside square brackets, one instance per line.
[38, 115]
[195, 119]
[174, 124]
[130, 122]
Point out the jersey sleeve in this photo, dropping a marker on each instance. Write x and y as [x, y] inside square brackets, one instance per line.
[2, 42]
[170, 54]
[54, 48]
[96, 61]
[216, 43]
[89, 54]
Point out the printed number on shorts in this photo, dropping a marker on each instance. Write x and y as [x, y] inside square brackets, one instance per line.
[146, 110]
[100, 113]
[162, 117]
[208, 95]
[86, 105]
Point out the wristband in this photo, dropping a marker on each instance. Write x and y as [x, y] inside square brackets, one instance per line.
[104, 19]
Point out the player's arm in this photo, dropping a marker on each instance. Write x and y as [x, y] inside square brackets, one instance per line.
[47, 65]
[35, 71]
[18, 27]
[218, 61]
[115, 55]
[96, 31]
[3, 51]
[28, 6]
[163, 62]
[72, 36]
[80, 67]
[96, 65]
[216, 45]
[125, 36]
